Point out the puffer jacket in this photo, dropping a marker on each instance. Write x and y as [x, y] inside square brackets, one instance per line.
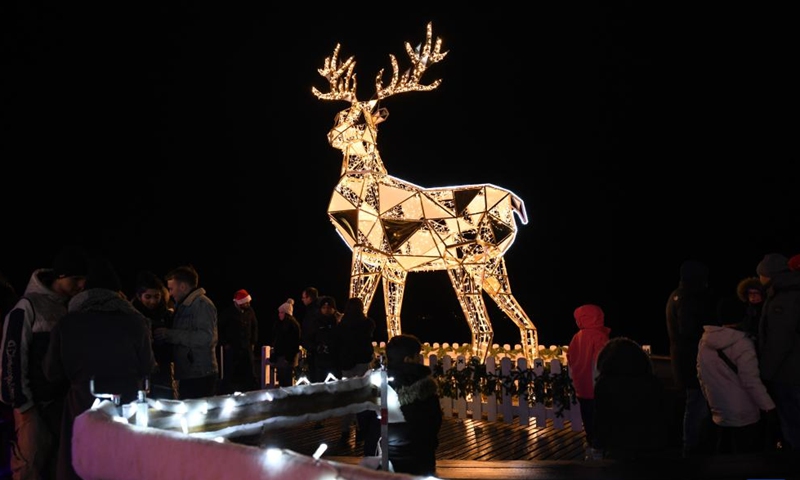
[194, 336]
[734, 398]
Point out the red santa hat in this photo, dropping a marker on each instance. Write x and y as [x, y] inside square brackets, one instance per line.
[241, 296]
[794, 262]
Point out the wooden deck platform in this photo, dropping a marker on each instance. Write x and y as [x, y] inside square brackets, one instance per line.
[478, 449]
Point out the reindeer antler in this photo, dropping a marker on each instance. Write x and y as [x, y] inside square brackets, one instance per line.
[340, 76]
[420, 60]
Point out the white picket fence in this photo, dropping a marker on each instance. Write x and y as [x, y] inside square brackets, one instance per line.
[493, 408]
[505, 408]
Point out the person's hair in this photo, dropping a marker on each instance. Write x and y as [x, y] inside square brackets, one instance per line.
[147, 280]
[311, 292]
[101, 274]
[402, 346]
[354, 308]
[185, 274]
[622, 356]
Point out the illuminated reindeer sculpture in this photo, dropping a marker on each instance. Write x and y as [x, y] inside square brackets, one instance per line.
[395, 227]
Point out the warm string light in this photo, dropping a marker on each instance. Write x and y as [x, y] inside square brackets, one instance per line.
[395, 227]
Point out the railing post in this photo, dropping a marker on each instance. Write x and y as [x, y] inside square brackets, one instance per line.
[555, 369]
[491, 399]
[447, 402]
[523, 412]
[461, 402]
[539, 410]
[508, 408]
[267, 370]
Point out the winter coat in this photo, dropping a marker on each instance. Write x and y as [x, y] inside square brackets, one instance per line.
[415, 418]
[102, 338]
[286, 339]
[779, 330]
[26, 334]
[194, 336]
[631, 412]
[355, 341]
[689, 308]
[734, 398]
[161, 380]
[584, 348]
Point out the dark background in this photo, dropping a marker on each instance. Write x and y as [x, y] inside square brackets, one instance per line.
[638, 137]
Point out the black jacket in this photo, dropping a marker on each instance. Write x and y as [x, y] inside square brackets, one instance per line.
[413, 443]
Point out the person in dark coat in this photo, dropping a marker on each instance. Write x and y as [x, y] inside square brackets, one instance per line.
[752, 294]
[238, 335]
[689, 308]
[150, 298]
[356, 353]
[103, 339]
[631, 413]
[415, 415]
[286, 343]
[325, 341]
[779, 342]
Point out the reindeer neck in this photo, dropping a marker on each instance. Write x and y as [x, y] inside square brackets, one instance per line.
[363, 160]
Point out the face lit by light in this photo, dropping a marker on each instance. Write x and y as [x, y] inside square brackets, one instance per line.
[151, 298]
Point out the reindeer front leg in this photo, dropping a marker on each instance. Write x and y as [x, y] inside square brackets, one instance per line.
[470, 296]
[365, 272]
[394, 287]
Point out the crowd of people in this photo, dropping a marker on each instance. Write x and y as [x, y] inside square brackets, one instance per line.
[735, 358]
[74, 333]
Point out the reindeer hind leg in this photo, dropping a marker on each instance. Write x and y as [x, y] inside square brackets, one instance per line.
[365, 273]
[495, 282]
[470, 296]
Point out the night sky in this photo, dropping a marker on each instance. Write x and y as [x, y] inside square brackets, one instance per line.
[189, 134]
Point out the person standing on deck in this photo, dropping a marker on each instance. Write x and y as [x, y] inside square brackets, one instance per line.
[584, 347]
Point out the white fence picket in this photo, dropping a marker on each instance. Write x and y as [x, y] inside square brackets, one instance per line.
[491, 406]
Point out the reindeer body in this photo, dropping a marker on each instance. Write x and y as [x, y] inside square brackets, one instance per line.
[395, 227]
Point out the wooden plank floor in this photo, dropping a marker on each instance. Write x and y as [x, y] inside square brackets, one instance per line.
[479, 449]
[458, 440]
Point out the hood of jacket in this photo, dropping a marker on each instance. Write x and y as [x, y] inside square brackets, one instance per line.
[36, 285]
[590, 316]
[746, 284]
[717, 337]
[102, 300]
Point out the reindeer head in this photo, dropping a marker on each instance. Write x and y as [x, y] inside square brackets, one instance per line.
[358, 123]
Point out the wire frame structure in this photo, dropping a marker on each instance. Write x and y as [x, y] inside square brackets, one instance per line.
[395, 227]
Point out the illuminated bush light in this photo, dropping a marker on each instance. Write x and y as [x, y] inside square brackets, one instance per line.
[395, 227]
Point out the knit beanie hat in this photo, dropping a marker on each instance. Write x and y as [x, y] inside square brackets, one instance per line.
[772, 264]
[287, 307]
[241, 296]
[71, 261]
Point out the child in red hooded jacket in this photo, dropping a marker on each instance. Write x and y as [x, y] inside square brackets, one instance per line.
[584, 347]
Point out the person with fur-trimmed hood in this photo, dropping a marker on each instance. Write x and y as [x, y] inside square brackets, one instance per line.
[415, 415]
[752, 294]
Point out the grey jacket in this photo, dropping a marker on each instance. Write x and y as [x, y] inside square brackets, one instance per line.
[194, 336]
